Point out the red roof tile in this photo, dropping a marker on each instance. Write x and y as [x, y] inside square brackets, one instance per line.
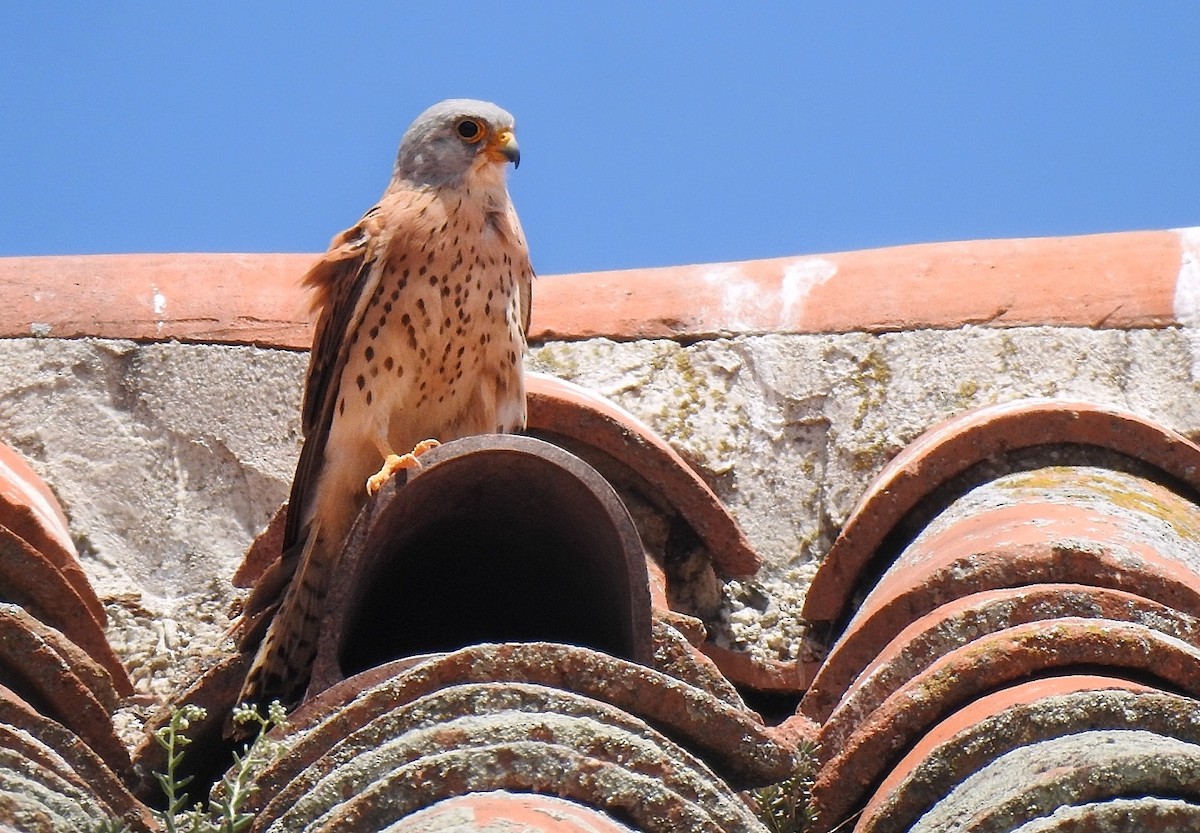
[1135, 279]
[503, 812]
[875, 745]
[29, 509]
[1003, 720]
[959, 443]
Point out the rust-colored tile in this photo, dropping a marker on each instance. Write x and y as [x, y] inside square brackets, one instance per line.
[1114, 280]
[551, 552]
[32, 581]
[503, 812]
[954, 446]
[263, 550]
[733, 742]
[1146, 812]
[676, 656]
[959, 622]
[209, 754]
[445, 747]
[543, 768]
[1021, 714]
[30, 509]
[1122, 280]
[559, 409]
[50, 747]
[1031, 783]
[248, 298]
[761, 673]
[1017, 653]
[31, 665]
[1029, 541]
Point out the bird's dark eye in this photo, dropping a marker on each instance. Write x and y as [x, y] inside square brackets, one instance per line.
[470, 129]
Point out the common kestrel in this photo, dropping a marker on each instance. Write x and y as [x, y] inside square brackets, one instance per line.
[423, 309]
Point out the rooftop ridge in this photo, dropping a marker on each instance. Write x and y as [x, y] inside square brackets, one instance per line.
[1125, 280]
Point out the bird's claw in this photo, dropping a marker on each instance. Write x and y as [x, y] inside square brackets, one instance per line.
[396, 462]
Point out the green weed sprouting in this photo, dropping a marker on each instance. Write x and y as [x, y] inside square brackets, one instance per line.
[225, 814]
[786, 807]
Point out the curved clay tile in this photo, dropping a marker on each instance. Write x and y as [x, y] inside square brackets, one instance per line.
[956, 445]
[38, 737]
[597, 762]
[1145, 812]
[1032, 782]
[871, 748]
[29, 509]
[22, 631]
[40, 800]
[1123, 280]
[503, 812]
[734, 742]
[986, 728]
[676, 656]
[843, 678]
[560, 410]
[549, 768]
[32, 581]
[262, 552]
[287, 780]
[106, 801]
[36, 665]
[459, 716]
[1077, 525]
[492, 539]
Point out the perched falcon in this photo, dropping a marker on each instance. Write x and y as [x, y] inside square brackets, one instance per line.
[423, 309]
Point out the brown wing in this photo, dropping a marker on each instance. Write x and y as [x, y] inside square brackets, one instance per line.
[339, 280]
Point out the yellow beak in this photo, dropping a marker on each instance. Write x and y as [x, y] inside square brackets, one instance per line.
[503, 147]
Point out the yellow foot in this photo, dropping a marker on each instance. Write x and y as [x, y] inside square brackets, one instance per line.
[395, 462]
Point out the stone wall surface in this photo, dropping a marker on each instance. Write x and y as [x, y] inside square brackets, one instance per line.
[169, 457]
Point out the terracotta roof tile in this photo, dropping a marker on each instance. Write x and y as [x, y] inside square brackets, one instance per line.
[1032, 782]
[29, 509]
[570, 415]
[872, 747]
[502, 812]
[490, 737]
[970, 617]
[1080, 525]
[52, 748]
[38, 663]
[1001, 721]
[32, 580]
[733, 741]
[953, 447]
[1145, 812]
[563, 561]
[1136, 279]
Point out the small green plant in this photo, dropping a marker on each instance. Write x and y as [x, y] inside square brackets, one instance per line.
[225, 814]
[786, 807]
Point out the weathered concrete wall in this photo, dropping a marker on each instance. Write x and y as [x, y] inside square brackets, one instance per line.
[168, 458]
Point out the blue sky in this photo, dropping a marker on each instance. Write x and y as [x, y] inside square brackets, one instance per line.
[652, 133]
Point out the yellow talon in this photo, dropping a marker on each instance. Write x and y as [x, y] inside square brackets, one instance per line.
[395, 462]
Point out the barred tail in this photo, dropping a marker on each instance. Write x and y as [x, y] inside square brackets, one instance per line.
[283, 664]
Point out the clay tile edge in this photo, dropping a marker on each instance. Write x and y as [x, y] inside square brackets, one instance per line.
[1120, 280]
[953, 446]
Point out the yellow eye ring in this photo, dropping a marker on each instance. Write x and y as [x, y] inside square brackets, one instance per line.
[470, 130]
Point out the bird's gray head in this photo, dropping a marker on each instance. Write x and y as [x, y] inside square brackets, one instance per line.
[455, 138]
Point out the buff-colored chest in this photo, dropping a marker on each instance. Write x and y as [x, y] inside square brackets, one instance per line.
[438, 350]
